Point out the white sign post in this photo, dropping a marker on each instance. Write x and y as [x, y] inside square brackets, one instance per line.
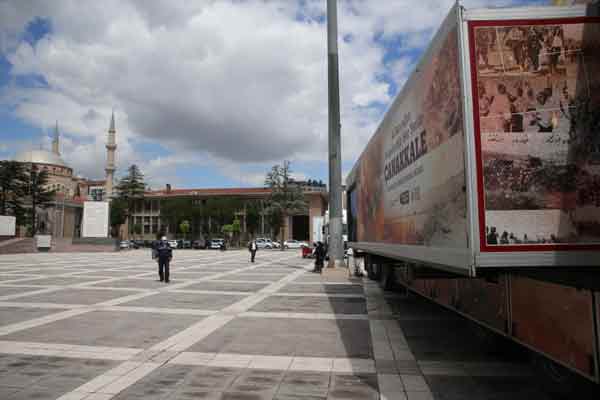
[95, 219]
[7, 225]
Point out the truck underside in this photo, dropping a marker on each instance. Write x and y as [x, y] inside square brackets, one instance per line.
[554, 313]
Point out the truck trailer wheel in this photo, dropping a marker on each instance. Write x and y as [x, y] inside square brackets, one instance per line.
[388, 279]
[369, 266]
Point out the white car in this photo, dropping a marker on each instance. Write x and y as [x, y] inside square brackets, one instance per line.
[124, 244]
[293, 244]
[261, 243]
[172, 243]
[216, 243]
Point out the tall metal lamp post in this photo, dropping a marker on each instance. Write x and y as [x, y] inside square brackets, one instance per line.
[336, 249]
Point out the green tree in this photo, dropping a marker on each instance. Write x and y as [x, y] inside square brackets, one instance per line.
[131, 188]
[252, 217]
[118, 215]
[137, 229]
[285, 199]
[13, 185]
[184, 227]
[38, 193]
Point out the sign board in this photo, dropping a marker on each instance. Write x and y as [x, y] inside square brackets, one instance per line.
[43, 241]
[317, 229]
[95, 219]
[7, 225]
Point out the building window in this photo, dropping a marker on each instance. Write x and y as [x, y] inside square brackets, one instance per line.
[146, 220]
[146, 229]
[138, 220]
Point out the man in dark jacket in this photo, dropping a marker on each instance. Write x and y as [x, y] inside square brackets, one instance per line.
[164, 255]
[252, 247]
[319, 257]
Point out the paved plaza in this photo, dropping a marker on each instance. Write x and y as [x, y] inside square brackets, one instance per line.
[101, 326]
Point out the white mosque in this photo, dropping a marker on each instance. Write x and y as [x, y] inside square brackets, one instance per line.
[63, 218]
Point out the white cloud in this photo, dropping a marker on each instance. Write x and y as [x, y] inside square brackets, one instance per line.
[227, 82]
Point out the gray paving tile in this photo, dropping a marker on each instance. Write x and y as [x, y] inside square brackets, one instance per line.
[29, 377]
[307, 304]
[253, 277]
[201, 301]
[58, 280]
[285, 337]
[299, 385]
[325, 288]
[227, 286]
[12, 315]
[149, 282]
[108, 328]
[76, 296]
[348, 387]
[10, 290]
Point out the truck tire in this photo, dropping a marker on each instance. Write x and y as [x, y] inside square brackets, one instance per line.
[388, 279]
[369, 266]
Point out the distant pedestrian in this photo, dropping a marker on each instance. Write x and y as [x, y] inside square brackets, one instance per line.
[252, 247]
[319, 257]
[164, 255]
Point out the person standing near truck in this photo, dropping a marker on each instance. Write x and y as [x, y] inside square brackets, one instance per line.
[164, 254]
[252, 247]
[319, 257]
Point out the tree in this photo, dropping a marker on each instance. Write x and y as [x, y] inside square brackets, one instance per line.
[232, 230]
[252, 217]
[285, 199]
[131, 188]
[137, 229]
[184, 227]
[38, 193]
[118, 215]
[13, 185]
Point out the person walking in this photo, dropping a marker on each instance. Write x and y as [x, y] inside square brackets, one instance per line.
[252, 247]
[165, 255]
[319, 257]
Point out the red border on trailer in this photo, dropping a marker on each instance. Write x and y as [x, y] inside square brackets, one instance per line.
[484, 247]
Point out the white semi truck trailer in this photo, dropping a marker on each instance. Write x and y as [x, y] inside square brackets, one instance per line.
[480, 189]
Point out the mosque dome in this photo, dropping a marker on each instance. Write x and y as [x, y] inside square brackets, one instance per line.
[41, 157]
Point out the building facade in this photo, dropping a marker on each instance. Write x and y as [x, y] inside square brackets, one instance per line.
[152, 223]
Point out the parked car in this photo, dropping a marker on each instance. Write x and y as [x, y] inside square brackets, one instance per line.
[293, 244]
[136, 244]
[264, 243]
[198, 244]
[184, 244]
[217, 243]
[173, 243]
[275, 243]
[124, 245]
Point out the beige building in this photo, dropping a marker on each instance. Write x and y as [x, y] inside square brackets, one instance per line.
[147, 211]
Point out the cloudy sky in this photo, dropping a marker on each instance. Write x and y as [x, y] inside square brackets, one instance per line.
[205, 93]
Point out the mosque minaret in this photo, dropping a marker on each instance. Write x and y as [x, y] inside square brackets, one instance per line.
[111, 147]
[55, 140]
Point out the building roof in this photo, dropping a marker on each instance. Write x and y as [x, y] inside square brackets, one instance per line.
[41, 157]
[208, 192]
[261, 191]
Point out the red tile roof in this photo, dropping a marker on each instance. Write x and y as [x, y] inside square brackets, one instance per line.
[209, 192]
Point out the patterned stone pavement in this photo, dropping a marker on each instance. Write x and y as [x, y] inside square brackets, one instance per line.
[100, 326]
